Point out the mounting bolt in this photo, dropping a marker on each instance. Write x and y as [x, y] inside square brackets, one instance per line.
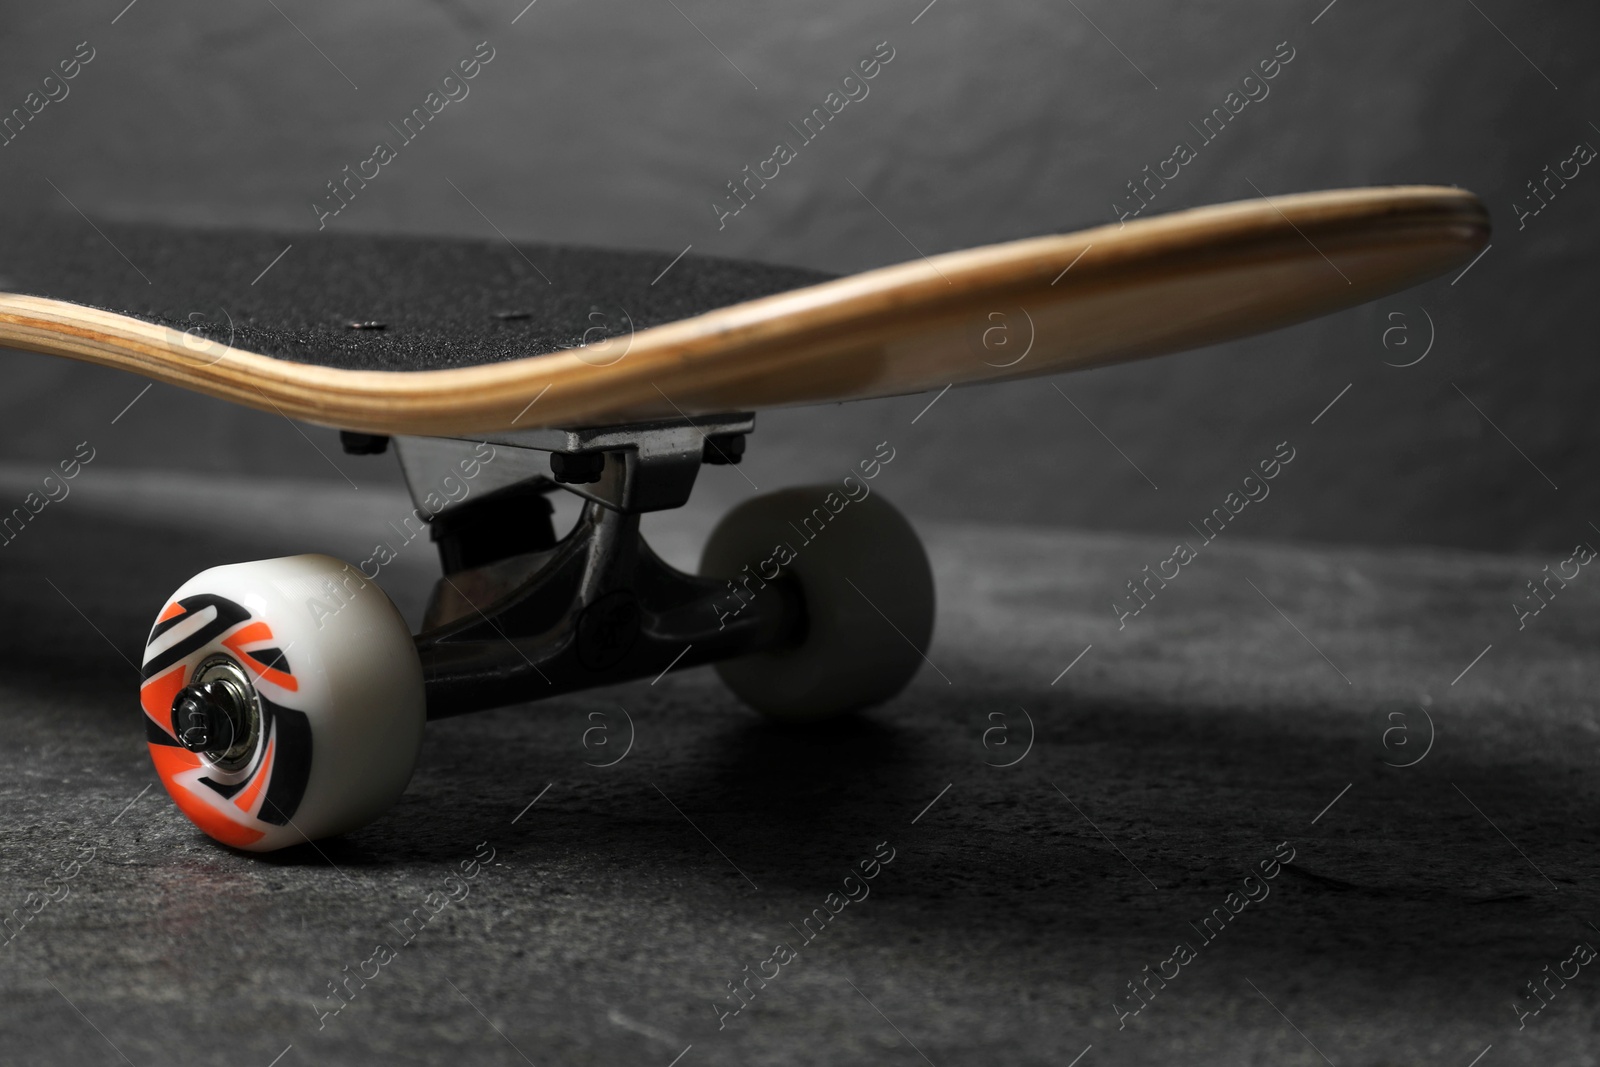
[577, 468]
[363, 444]
[724, 448]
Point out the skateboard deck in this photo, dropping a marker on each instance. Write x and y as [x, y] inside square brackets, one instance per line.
[451, 338]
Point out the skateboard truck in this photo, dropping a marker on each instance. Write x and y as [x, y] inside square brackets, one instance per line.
[519, 615]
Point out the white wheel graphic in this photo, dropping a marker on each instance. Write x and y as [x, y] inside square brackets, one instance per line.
[867, 590]
[283, 701]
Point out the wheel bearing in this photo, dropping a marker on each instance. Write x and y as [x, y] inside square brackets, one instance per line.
[218, 714]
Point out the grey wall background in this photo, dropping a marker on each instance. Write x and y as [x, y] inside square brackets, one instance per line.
[616, 122]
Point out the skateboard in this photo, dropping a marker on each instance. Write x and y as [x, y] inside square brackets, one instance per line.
[284, 700]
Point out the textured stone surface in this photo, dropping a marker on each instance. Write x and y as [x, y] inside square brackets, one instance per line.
[1171, 758]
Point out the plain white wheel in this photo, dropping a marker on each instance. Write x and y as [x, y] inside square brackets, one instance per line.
[283, 701]
[867, 591]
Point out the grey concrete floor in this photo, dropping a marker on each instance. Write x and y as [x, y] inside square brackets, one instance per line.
[1245, 708]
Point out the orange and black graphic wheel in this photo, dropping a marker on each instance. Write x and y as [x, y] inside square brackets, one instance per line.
[283, 701]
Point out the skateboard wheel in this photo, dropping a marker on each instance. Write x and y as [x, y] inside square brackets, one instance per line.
[283, 701]
[840, 552]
